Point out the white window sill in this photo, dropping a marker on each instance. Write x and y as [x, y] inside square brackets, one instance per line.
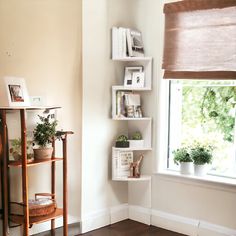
[209, 181]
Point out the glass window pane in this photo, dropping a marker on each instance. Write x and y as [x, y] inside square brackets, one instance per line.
[204, 111]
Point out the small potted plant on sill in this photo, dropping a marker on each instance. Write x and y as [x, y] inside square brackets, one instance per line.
[136, 140]
[201, 155]
[122, 141]
[44, 133]
[182, 157]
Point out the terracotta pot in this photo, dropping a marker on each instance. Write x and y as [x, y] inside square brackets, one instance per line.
[43, 153]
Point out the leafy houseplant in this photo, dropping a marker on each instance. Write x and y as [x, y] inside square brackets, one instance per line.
[15, 149]
[122, 141]
[182, 157]
[44, 133]
[136, 140]
[201, 155]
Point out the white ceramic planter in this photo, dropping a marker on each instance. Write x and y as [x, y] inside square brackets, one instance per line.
[136, 143]
[200, 170]
[186, 168]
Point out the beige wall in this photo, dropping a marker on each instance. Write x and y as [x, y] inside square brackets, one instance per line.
[99, 131]
[212, 203]
[41, 41]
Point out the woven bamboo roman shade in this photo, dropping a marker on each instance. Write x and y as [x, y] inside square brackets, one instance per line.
[200, 39]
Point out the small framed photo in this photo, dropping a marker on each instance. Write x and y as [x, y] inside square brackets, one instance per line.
[138, 79]
[129, 71]
[16, 92]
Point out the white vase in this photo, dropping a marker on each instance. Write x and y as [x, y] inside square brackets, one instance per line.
[186, 168]
[136, 143]
[200, 170]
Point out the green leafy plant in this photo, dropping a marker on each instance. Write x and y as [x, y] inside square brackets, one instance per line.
[45, 131]
[15, 149]
[122, 138]
[137, 136]
[201, 154]
[182, 155]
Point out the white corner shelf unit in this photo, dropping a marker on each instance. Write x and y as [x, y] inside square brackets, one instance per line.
[143, 124]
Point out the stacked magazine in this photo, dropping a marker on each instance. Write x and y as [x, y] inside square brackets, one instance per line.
[126, 42]
[121, 163]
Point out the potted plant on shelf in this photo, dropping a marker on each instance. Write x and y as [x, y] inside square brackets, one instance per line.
[136, 140]
[122, 141]
[201, 155]
[182, 157]
[44, 133]
[15, 149]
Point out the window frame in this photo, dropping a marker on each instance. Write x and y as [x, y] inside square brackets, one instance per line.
[163, 119]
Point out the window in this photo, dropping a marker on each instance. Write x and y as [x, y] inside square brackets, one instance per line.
[204, 111]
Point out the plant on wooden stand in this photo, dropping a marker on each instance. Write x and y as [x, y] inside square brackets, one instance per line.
[44, 133]
[15, 149]
[182, 157]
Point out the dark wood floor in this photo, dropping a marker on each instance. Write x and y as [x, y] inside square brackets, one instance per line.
[130, 228]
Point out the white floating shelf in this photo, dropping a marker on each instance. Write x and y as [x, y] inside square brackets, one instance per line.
[133, 59]
[142, 178]
[127, 118]
[120, 87]
[133, 149]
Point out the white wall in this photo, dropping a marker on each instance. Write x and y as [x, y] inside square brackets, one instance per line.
[41, 41]
[99, 131]
[214, 204]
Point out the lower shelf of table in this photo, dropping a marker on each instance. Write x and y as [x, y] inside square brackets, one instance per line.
[37, 219]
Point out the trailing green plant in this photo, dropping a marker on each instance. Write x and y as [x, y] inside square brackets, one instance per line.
[182, 155]
[122, 138]
[201, 154]
[137, 136]
[45, 131]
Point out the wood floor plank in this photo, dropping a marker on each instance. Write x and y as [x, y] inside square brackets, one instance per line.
[130, 228]
[123, 228]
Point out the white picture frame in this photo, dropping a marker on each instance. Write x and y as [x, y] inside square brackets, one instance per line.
[128, 78]
[16, 93]
[138, 79]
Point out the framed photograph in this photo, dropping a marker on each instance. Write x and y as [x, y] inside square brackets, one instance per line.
[138, 79]
[128, 79]
[16, 92]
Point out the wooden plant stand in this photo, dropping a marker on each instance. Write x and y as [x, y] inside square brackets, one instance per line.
[25, 220]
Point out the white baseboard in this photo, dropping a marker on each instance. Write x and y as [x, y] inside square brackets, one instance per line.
[208, 229]
[188, 226]
[176, 223]
[104, 217]
[119, 213]
[95, 220]
[140, 214]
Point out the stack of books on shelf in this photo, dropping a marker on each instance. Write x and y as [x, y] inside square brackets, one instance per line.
[126, 42]
[128, 104]
[121, 163]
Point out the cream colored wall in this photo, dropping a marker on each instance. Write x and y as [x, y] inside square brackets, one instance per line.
[41, 41]
[99, 131]
[211, 203]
